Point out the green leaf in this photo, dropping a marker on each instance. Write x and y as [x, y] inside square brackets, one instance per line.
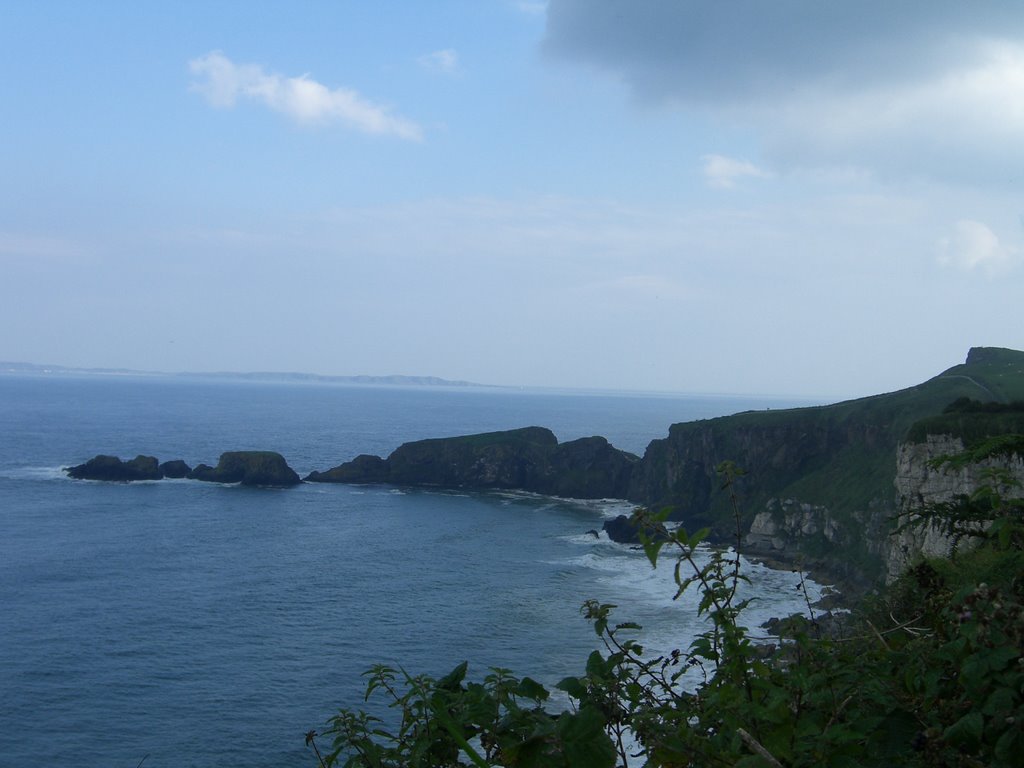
[596, 665]
[1008, 745]
[530, 689]
[1001, 700]
[699, 536]
[999, 658]
[572, 686]
[966, 732]
[584, 740]
[652, 548]
[451, 681]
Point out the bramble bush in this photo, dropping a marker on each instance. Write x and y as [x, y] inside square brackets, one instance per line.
[929, 673]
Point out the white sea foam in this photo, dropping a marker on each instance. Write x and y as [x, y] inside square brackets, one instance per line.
[623, 575]
[35, 473]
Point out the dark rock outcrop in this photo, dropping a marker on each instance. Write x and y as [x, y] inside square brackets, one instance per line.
[111, 468]
[362, 469]
[589, 468]
[248, 468]
[175, 469]
[527, 459]
[622, 529]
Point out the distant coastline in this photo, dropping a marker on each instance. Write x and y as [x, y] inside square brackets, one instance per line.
[7, 368]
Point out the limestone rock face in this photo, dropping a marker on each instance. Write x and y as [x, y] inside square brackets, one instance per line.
[111, 468]
[918, 483]
[248, 468]
[785, 522]
[527, 459]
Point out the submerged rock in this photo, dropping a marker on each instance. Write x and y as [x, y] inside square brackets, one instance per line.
[111, 468]
[248, 468]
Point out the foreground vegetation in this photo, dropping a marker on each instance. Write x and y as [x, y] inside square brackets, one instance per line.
[929, 673]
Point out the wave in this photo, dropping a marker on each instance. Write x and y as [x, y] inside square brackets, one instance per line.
[35, 473]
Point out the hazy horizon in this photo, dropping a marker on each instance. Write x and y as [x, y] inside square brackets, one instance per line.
[414, 379]
[815, 200]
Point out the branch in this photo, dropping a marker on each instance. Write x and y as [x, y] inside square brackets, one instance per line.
[755, 746]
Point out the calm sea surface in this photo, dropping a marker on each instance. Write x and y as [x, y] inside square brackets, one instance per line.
[193, 624]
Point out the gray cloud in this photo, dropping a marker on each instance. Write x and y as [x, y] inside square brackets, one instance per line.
[720, 51]
[929, 88]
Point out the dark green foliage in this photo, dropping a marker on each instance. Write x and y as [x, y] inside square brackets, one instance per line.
[452, 722]
[971, 421]
[929, 673]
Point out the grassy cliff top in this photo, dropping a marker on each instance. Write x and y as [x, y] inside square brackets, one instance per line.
[990, 374]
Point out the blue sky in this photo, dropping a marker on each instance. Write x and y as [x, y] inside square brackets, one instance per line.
[757, 197]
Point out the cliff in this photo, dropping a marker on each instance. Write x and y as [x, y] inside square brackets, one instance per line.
[820, 482]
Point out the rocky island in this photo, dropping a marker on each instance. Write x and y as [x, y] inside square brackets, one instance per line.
[257, 468]
[528, 459]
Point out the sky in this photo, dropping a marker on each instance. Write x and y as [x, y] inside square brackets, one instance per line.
[765, 197]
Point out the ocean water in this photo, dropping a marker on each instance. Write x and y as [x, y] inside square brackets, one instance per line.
[191, 624]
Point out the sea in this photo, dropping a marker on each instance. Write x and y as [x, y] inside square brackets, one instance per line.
[176, 623]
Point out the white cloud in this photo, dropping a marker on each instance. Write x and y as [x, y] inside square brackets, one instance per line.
[973, 246]
[531, 7]
[223, 83]
[723, 172]
[445, 61]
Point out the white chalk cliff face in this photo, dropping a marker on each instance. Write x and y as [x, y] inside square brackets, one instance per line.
[919, 484]
[785, 521]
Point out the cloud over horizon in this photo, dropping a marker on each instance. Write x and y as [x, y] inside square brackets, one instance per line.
[222, 83]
